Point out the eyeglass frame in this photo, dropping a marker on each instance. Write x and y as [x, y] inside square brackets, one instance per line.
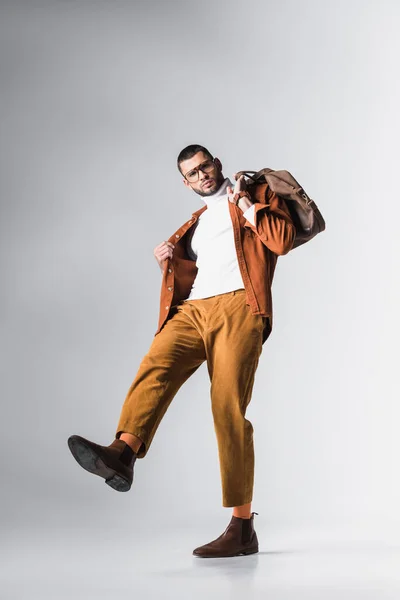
[198, 168]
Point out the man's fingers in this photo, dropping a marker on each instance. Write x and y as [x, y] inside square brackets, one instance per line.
[164, 245]
[164, 252]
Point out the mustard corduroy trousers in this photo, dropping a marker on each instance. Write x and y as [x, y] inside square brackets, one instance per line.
[222, 331]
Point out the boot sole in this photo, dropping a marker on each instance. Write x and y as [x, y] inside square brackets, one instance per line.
[91, 462]
[245, 552]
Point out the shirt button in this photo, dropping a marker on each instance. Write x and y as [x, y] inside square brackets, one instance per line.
[190, 222]
[177, 235]
[167, 307]
[169, 270]
[170, 288]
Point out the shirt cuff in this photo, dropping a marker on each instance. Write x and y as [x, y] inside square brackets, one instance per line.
[249, 214]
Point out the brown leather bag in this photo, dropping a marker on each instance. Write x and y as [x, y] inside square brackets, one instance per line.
[305, 214]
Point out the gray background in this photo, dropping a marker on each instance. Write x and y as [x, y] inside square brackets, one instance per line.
[97, 100]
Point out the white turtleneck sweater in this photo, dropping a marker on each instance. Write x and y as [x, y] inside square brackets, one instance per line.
[213, 244]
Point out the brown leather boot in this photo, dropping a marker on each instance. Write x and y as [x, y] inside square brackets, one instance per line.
[238, 538]
[114, 462]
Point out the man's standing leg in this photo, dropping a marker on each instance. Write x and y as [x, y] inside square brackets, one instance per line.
[233, 348]
[233, 342]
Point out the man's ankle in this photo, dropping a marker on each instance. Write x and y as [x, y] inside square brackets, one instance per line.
[132, 440]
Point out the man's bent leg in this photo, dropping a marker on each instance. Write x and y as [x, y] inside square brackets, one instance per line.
[175, 354]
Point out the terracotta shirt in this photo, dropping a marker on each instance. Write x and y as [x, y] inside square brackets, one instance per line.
[258, 245]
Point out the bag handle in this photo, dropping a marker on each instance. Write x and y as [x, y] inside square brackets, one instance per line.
[239, 173]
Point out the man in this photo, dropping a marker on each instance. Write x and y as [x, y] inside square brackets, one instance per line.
[215, 307]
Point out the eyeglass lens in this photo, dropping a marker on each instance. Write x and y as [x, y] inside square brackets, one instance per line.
[206, 167]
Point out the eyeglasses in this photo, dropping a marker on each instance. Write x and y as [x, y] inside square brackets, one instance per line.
[206, 167]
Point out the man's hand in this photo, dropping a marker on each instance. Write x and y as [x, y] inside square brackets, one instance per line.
[240, 185]
[162, 252]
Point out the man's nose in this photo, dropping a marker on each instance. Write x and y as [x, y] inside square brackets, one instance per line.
[202, 175]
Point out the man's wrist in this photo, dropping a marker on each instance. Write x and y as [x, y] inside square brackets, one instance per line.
[241, 194]
[244, 201]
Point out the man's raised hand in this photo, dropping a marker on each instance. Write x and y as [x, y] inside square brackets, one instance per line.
[240, 185]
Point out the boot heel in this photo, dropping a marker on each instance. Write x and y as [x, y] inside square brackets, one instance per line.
[118, 483]
[251, 551]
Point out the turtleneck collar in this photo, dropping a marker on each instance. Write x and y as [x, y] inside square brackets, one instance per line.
[219, 195]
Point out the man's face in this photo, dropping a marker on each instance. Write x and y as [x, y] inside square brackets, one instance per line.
[208, 182]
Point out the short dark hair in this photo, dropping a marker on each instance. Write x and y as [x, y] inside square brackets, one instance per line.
[190, 151]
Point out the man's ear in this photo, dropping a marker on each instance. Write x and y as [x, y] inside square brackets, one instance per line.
[218, 163]
[185, 181]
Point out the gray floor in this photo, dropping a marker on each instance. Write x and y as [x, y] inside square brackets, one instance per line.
[88, 563]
